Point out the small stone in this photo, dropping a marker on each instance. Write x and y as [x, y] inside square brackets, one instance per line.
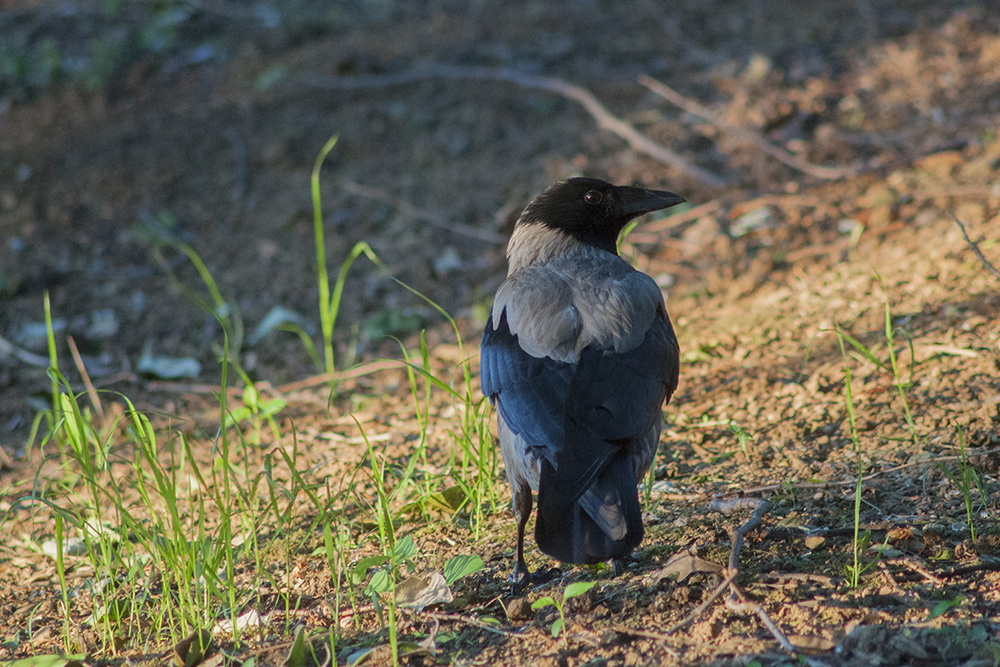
[814, 542]
[519, 609]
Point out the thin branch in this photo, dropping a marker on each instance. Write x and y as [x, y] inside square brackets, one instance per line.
[741, 603]
[6, 347]
[604, 118]
[916, 566]
[354, 372]
[748, 136]
[700, 609]
[431, 218]
[975, 248]
[866, 478]
[963, 570]
[240, 163]
[760, 508]
[471, 620]
[677, 219]
[738, 600]
[95, 400]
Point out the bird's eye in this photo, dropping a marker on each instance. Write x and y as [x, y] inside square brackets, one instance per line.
[593, 197]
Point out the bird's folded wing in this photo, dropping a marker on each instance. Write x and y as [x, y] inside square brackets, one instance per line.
[578, 358]
[529, 392]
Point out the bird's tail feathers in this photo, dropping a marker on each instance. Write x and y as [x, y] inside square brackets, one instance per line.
[605, 522]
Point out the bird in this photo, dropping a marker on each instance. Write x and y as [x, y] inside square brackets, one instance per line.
[578, 357]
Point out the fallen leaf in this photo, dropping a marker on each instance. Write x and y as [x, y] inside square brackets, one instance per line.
[49, 661]
[684, 563]
[811, 643]
[191, 650]
[418, 591]
[814, 542]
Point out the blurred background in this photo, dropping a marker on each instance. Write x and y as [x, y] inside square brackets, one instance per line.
[132, 132]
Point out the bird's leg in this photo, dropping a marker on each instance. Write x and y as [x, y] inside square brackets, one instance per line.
[618, 565]
[522, 507]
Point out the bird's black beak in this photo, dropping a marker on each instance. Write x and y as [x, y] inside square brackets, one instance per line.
[631, 201]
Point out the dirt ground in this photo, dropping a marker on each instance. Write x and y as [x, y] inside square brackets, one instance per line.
[881, 128]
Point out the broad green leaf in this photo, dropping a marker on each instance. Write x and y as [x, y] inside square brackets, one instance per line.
[75, 660]
[360, 570]
[405, 549]
[543, 602]
[297, 654]
[943, 606]
[360, 656]
[273, 407]
[578, 588]
[422, 591]
[557, 628]
[191, 650]
[380, 583]
[461, 566]
[114, 611]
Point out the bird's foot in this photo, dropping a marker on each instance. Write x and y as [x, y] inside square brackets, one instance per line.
[618, 566]
[521, 578]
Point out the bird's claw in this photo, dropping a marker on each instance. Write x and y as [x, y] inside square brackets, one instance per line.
[521, 578]
[618, 566]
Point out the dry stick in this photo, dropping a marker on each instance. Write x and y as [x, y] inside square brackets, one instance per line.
[604, 118]
[780, 154]
[91, 392]
[433, 219]
[240, 159]
[471, 620]
[6, 347]
[963, 570]
[975, 248]
[869, 476]
[760, 508]
[677, 219]
[745, 604]
[739, 601]
[646, 634]
[914, 565]
[350, 373]
[700, 609]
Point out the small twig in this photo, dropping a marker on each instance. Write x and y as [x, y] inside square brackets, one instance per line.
[908, 598]
[912, 564]
[473, 621]
[738, 600]
[760, 508]
[955, 191]
[604, 118]
[963, 570]
[658, 636]
[356, 371]
[975, 248]
[754, 138]
[868, 477]
[411, 211]
[6, 347]
[884, 567]
[677, 219]
[700, 609]
[745, 604]
[240, 163]
[91, 392]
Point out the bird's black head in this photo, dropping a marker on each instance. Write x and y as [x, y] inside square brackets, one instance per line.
[593, 211]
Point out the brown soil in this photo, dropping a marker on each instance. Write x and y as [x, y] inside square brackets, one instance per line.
[210, 139]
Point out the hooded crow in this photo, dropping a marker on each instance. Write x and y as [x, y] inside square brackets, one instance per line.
[578, 357]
